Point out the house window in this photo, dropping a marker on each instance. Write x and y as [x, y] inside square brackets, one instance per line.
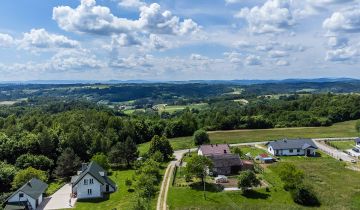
[298, 150]
[85, 182]
[290, 150]
[89, 191]
[91, 181]
[21, 195]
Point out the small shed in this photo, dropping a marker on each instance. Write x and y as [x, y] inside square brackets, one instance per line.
[265, 158]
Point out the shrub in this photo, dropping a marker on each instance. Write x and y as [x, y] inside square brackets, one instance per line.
[201, 137]
[304, 195]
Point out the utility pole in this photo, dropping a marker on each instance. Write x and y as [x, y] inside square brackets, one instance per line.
[204, 179]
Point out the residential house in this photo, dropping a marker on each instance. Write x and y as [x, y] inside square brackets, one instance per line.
[27, 197]
[224, 163]
[265, 158]
[357, 142]
[292, 147]
[92, 182]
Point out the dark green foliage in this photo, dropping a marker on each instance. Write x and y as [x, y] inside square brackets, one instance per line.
[36, 161]
[197, 166]
[7, 173]
[304, 195]
[201, 137]
[68, 164]
[124, 153]
[162, 145]
[27, 174]
[102, 160]
[290, 175]
[247, 179]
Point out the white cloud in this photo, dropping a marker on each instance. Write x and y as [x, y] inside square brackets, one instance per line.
[272, 17]
[156, 42]
[342, 54]
[277, 54]
[346, 20]
[337, 42]
[91, 18]
[133, 61]
[6, 40]
[232, 1]
[198, 57]
[252, 60]
[41, 39]
[233, 57]
[131, 3]
[124, 40]
[282, 63]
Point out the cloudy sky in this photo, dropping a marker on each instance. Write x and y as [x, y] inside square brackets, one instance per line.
[178, 39]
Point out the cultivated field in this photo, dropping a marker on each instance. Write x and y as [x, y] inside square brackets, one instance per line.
[343, 129]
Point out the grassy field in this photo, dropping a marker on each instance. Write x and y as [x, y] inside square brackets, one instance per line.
[343, 129]
[335, 186]
[121, 199]
[342, 145]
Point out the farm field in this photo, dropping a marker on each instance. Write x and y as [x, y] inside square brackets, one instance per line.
[324, 173]
[121, 199]
[343, 129]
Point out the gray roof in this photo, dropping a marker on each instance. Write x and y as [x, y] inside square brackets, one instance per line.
[215, 149]
[292, 144]
[225, 160]
[33, 188]
[94, 170]
[357, 140]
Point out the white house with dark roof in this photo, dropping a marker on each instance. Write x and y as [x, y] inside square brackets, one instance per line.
[292, 147]
[28, 197]
[92, 182]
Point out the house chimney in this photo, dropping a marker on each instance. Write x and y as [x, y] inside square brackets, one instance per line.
[83, 167]
[216, 145]
[211, 145]
[225, 151]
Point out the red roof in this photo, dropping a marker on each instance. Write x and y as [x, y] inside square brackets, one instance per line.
[264, 155]
[215, 149]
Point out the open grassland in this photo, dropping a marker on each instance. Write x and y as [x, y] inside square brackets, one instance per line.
[121, 199]
[335, 186]
[343, 129]
[342, 145]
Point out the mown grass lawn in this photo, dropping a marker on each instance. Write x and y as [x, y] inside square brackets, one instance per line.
[121, 199]
[342, 145]
[343, 129]
[335, 186]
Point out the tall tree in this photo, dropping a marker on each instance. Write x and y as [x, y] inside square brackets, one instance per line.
[162, 145]
[25, 175]
[201, 137]
[198, 166]
[67, 164]
[102, 160]
[132, 152]
[247, 179]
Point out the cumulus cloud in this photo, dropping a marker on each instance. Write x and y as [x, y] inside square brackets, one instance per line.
[124, 40]
[131, 3]
[133, 61]
[252, 60]
[272, 17]
[337, 42]
[346, 20]
[342, 54]
[277, 54]
[233, 57]
[41, 39]
[94, 19]
[198, 57]
[6, 40]
[156, 42]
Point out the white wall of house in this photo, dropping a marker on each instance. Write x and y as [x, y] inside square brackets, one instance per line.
[289, 152]
[271, 150]
[200, 152]
[16, 198]
[82, 189]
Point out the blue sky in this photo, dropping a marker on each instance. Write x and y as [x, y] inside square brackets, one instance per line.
[178, 39]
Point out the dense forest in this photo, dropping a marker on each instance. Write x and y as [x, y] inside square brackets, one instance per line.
[43, 131]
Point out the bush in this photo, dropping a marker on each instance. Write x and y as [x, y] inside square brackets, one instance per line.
[201, 137]
[25, 175]
[304, 195]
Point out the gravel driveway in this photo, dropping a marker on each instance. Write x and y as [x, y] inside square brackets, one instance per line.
[59, 200]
